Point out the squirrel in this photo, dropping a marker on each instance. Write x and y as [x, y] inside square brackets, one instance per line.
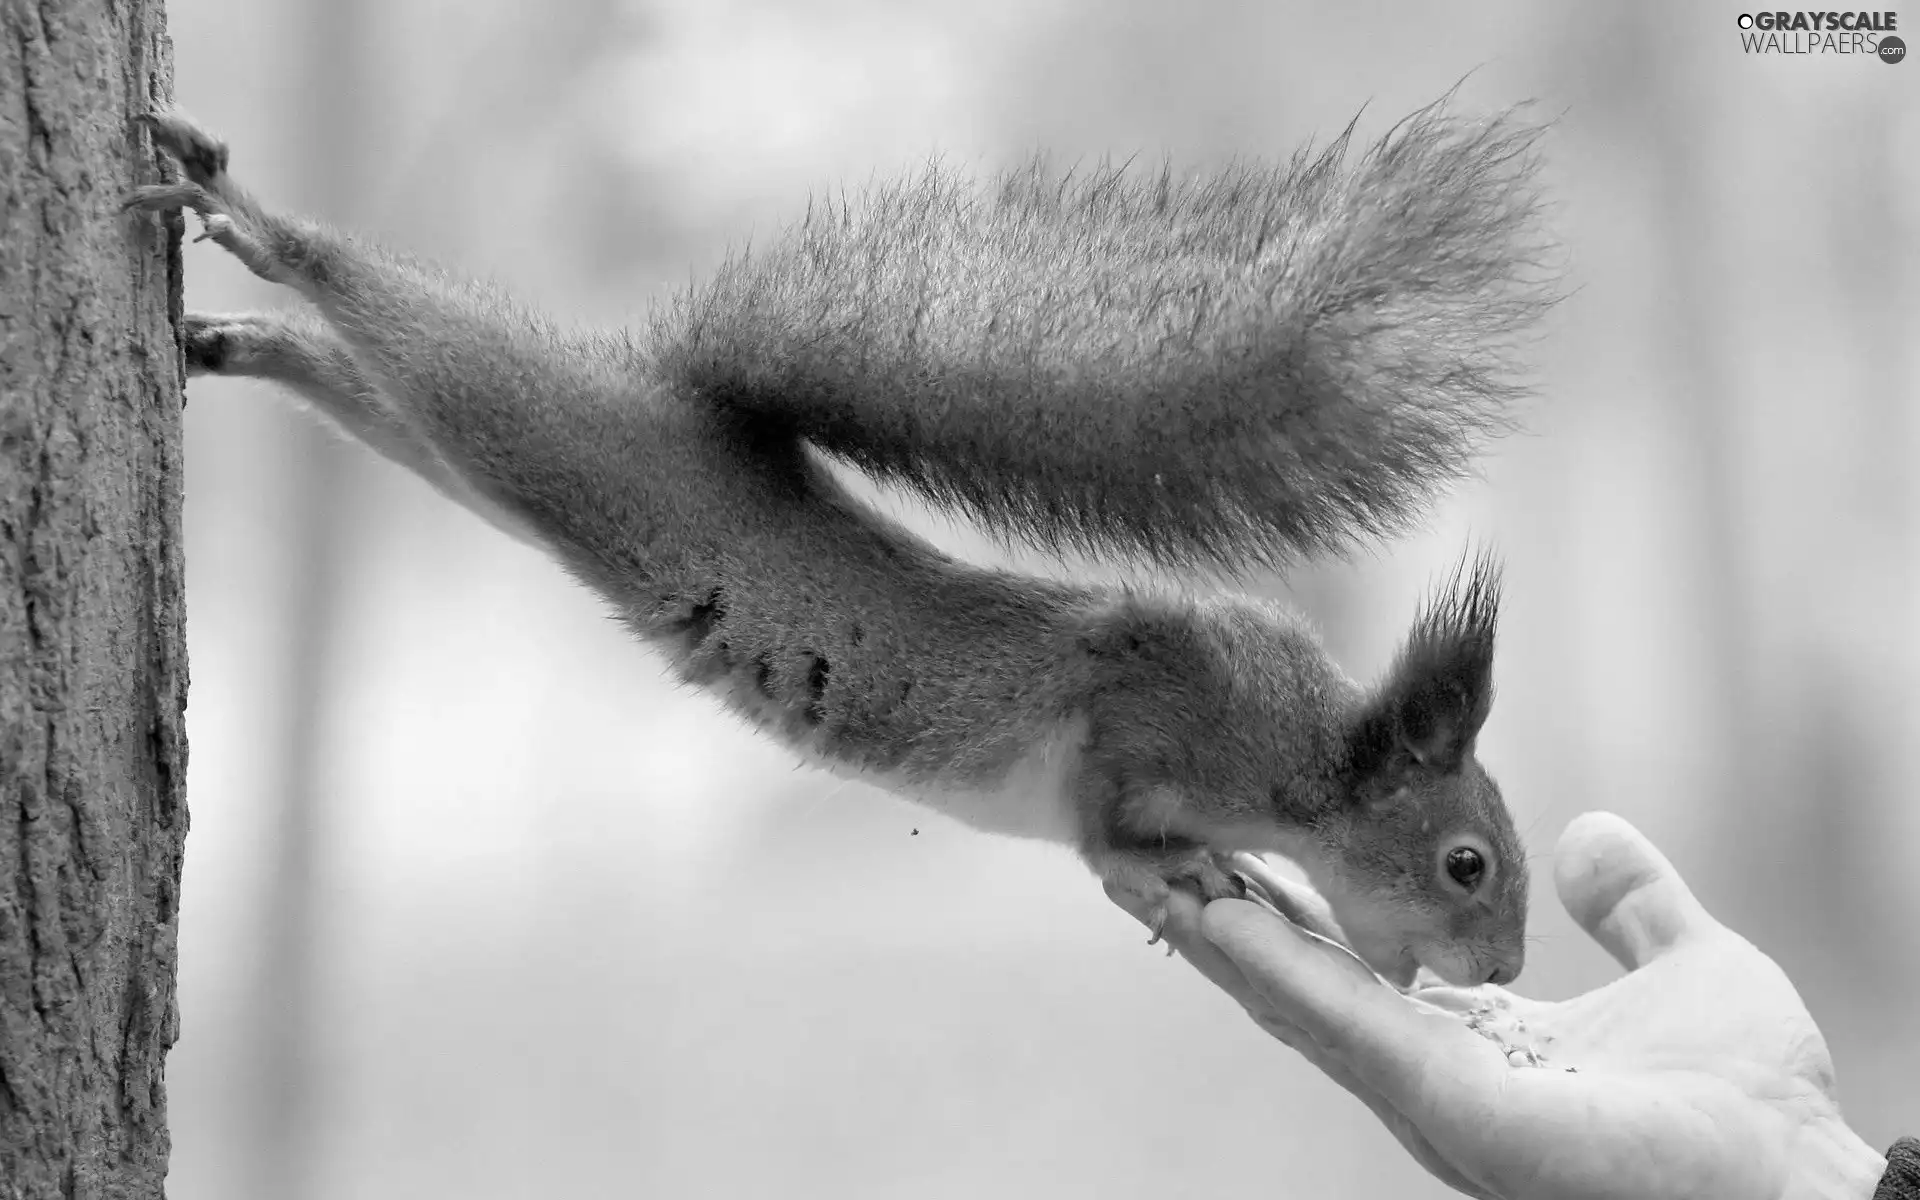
[1230, 370]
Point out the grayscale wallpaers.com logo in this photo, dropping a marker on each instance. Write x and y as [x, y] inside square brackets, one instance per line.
[1862, 33]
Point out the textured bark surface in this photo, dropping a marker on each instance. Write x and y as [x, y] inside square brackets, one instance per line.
[92, 650]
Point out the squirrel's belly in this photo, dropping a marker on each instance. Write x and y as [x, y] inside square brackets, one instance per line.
[1033, 798]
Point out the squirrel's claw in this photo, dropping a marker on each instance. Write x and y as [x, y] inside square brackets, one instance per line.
[1157, 924]
[216, 224]
[228, 217]
[203, 159]
[1152, 877]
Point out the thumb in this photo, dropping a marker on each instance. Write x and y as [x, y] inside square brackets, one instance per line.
[1625, 893]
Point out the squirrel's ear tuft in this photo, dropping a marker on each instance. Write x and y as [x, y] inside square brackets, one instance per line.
[1433, 702]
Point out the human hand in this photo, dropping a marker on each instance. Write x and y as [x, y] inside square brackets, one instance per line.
[1698, 1074]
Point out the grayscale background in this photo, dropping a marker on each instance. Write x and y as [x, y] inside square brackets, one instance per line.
[478, 905]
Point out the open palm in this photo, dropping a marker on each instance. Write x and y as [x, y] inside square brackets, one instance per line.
[1697, 1074]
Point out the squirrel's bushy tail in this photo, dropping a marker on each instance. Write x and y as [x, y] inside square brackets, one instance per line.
[1223, 371]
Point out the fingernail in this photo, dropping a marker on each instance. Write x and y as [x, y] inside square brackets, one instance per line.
[1253, 890]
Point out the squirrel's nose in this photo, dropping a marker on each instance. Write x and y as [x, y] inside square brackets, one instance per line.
[1505, 971]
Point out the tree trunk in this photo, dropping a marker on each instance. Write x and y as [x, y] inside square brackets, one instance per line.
[92, 649]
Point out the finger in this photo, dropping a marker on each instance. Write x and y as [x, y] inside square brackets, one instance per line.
[1182, 932]
[1624, 892]
[1426, 1065]
[1299, 904]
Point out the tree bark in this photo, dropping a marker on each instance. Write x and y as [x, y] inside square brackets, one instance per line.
[92, 648]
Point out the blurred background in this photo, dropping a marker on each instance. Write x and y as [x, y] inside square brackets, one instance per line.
[479, 904]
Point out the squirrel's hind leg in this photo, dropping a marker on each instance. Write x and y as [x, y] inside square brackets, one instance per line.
[301, 352]
[549, 437]
[231, 218]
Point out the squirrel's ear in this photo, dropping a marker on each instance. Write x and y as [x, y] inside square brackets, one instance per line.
[1433, 702]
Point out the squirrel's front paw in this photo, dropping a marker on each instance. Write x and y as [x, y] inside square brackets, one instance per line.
[203, 160]
[1153, 876]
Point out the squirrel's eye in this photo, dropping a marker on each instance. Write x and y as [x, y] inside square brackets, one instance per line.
[1465, 866]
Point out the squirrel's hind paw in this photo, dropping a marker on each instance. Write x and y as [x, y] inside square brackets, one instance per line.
[200, 154]
[228, 216]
